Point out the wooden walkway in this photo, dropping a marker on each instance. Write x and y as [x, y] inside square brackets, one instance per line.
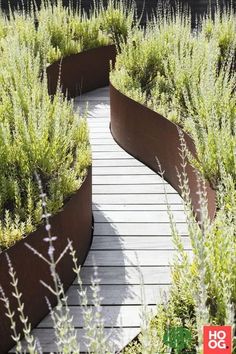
[132, 234]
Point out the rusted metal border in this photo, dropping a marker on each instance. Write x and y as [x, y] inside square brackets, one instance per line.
[147, 135]
[83, 72]
[74, 222]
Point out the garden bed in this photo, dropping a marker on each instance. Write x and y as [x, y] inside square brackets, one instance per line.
[74, 222]
[79, 73]
[147, 135]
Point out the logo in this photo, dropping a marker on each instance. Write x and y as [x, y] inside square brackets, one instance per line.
[177, 338]
[217, 340]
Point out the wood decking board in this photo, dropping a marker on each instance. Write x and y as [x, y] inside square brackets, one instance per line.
[114, 170]
[117, 163]
[129, 258]
[118, 336]
[127, 316]
[133, 207]
[129, 188]
[127, 275]
[121, 294]
[132, 237]
[135, 198]
[135, 243]
[138, 216]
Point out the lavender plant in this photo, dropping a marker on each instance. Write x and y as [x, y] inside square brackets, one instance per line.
[65, 332]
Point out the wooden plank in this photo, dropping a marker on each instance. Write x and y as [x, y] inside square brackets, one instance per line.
[136, 199]
[139, 179]
[121, 294]
[118, 242]
[94, 123]
[140, 170]
[102, 122]
[130, 258]
[132, 207]
[107, 148]
[94, 105]
[98, 131]
[104, 155]
[123, 316]
[103, 141]
[91, 102]
[137, 216]
[100, 134]
[136, 189]
[98, 94]
[96, 111]
[117, 163]
[118, 337]
[126, 275]
[140, 229]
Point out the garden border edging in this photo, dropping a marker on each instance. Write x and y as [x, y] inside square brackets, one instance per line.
[82, 72]
[145, 134]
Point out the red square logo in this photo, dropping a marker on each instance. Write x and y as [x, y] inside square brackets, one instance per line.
[217, 340]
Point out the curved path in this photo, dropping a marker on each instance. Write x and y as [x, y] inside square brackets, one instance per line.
[132, 239]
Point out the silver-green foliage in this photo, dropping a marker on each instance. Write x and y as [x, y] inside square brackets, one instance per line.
[189, 78]
[38, 133]
[65, 332]
[56, 31]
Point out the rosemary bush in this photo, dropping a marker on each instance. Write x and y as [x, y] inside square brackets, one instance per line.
[69, 32]
[73, 31]
[37, 134]
[188, 77]
[56, 31]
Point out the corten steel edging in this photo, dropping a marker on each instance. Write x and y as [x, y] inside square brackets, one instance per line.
[146, 135]
[82, 72]
[73, 222]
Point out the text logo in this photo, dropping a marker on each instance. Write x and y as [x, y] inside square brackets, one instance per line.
[217, 339]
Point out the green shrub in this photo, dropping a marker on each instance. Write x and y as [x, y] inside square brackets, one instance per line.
[56, 31]
[222, 29]
[117, 19]
[189, 78]
[37, 134]
[69, 32]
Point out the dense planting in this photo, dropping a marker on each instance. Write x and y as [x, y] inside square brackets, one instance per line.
[186, 75]
[189, 77]
[39, 133]
[56, 31]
